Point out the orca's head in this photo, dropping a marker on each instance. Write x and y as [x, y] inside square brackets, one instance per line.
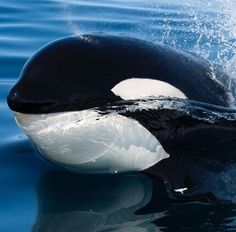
[61, 89]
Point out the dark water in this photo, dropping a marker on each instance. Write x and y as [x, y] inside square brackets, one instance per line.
[37, 196]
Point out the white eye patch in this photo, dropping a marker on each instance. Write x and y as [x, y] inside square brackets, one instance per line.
[137, 88]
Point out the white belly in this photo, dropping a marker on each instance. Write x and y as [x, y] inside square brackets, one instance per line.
[86, 141]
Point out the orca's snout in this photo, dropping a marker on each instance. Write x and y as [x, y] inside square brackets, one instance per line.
[15, 101]
[22, 104]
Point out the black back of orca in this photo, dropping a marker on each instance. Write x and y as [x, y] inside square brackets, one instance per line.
[77, 73]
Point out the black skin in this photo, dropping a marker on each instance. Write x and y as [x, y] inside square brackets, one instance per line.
[77, 73]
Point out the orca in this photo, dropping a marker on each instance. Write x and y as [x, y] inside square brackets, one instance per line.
[111, 104]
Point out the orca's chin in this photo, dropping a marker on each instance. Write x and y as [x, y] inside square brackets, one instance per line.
[87, 141]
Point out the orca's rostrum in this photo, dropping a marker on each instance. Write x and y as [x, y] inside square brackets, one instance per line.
[110, 104]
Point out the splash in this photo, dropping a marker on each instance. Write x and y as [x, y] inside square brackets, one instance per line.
[206, 28]
[210, 29]
[215, 27]
[67, 10]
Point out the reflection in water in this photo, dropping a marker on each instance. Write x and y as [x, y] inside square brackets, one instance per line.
[127, 202]
[72, 202]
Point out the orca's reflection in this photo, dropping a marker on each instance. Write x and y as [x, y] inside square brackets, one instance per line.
[70, 202]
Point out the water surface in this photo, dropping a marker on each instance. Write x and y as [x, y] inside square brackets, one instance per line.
[37, 196]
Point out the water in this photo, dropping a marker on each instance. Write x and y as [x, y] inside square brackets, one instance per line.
[37, 196]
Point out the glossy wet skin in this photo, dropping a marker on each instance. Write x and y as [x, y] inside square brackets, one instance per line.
[77, 73]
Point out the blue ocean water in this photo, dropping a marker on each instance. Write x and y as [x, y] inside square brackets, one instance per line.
[37, 196]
